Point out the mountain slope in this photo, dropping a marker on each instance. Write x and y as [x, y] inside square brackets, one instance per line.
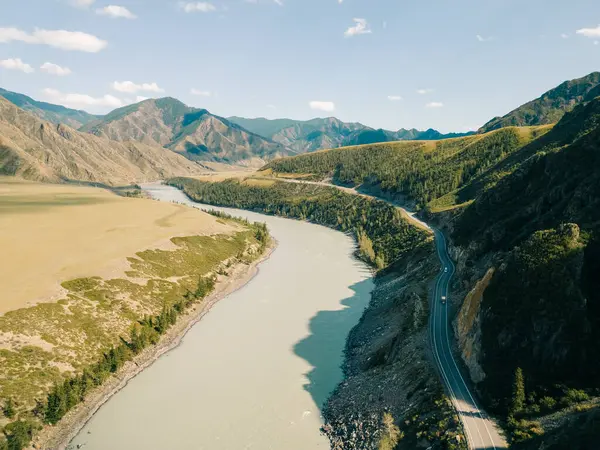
[417, 172]
[369, 136]
[47, 111]
[38, 150]
[261, 126]
[551, 106]
[318, 134]
[194, 133]
[538, 230]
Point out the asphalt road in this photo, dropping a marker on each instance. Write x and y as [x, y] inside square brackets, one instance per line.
[482, 432]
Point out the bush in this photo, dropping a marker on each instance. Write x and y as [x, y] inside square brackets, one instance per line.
[19, 434]
[391, 433]
[547, 403]
[522, 430]
[574, 396]
[9, 408]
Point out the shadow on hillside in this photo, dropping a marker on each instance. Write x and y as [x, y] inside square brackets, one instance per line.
[327, 340]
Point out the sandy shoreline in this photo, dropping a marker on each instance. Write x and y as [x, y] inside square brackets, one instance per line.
[59, 436]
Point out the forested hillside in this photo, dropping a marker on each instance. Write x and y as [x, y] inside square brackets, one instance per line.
[381, 232]
[541, 312]
[530, 202]
[418, 172]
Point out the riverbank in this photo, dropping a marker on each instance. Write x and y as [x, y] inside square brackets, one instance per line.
[390, 379]
[59, 436]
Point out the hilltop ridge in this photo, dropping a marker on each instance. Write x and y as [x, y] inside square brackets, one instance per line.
[38, 150]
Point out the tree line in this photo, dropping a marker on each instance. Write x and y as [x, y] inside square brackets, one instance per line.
[382, 234]
[71, 391]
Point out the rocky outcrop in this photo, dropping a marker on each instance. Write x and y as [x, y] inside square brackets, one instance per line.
[467, 328]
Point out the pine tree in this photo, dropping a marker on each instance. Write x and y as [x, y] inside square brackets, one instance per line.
[518, 399]
[56, 405]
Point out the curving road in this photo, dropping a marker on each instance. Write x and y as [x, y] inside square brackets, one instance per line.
[481, 432]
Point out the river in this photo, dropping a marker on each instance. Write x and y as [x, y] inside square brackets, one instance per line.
[254, 372]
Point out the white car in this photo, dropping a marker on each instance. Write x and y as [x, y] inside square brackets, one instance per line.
[445, 269]
[444, 299]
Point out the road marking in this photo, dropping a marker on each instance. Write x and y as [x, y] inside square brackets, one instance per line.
[470, 441]
[450, 348]
[439, 360]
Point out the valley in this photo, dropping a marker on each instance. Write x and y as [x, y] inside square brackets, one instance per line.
[265, 358]
[283, 283]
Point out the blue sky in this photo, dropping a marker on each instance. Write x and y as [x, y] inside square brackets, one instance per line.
[453, 64]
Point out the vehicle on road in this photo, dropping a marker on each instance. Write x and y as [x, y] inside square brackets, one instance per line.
[445, 269]
[443, 299]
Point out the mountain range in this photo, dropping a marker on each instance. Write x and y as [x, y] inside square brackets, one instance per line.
[165, 126]
[201, 136]
[39, 150]
[317, 134]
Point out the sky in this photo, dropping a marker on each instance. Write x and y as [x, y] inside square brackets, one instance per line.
[448, 65]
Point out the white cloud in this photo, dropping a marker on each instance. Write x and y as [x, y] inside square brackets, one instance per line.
[55, 69]
[16, 64]
[256, 2]
[203, 7]
[82, 3]
[116, 12]
[140, 98]
[434, 105]
[564, 36]
[361, 27]
[424, 91]
[483, 39]
[81, 100]
[590, 32]
[66, 40]
[271, 106]
[394, 98]
[131, 88]
[200, 93]
[322, 106]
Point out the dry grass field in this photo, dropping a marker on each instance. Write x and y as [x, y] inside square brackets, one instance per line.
[81, 266]
[53, 233]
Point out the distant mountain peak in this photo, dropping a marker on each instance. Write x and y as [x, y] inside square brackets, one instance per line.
[329, 132]
[192, 132]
